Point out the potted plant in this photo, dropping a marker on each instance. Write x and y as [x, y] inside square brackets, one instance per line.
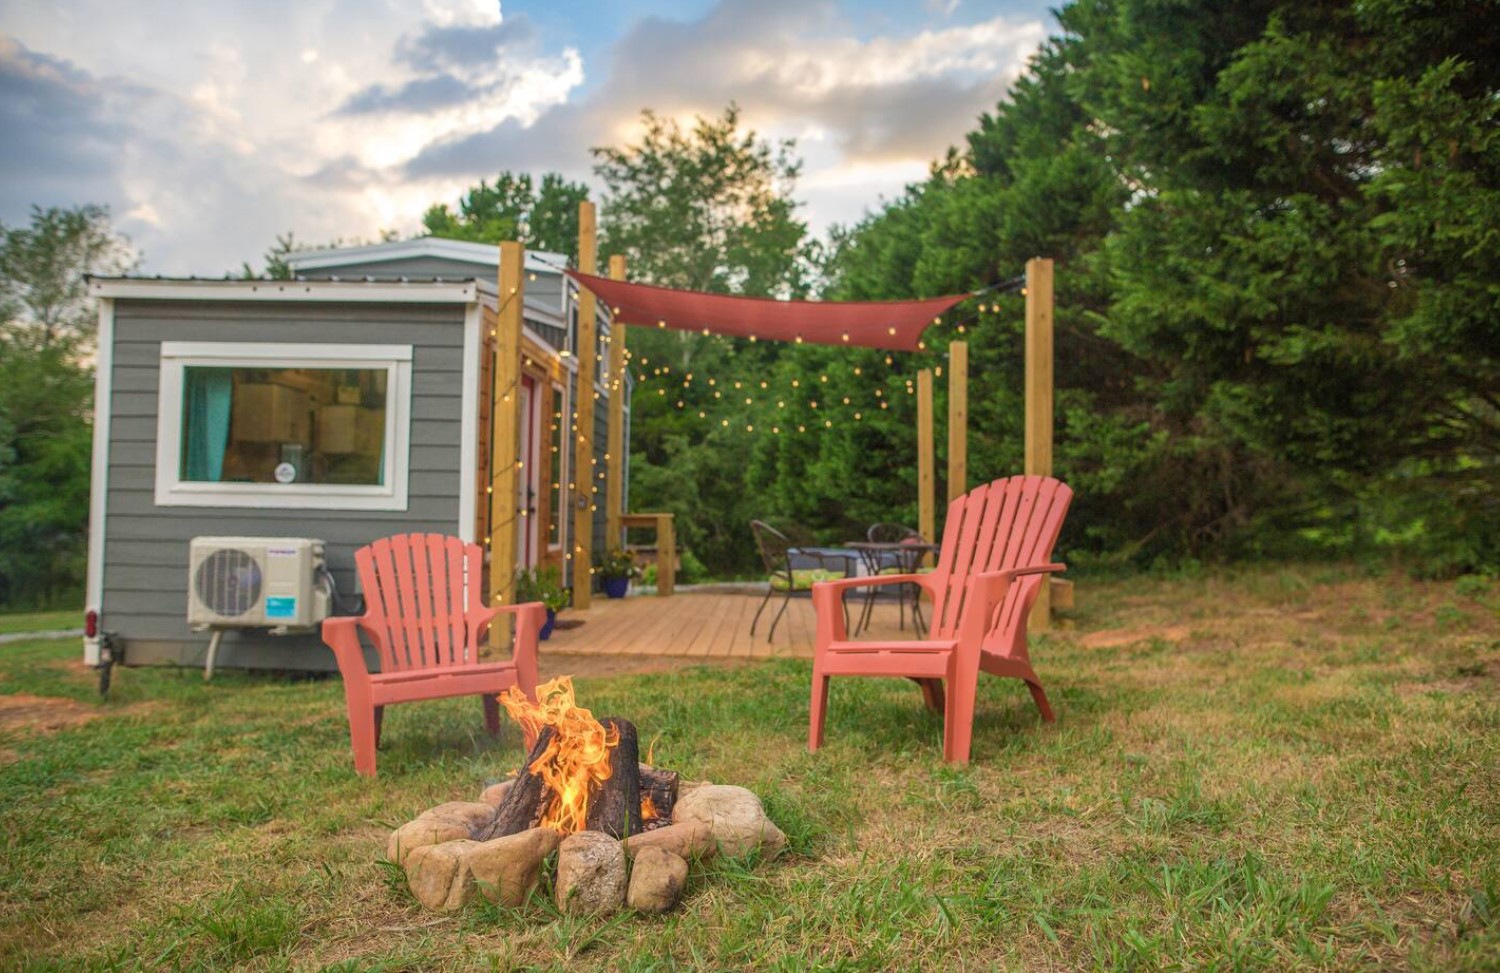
[616, 567]
[543, 584]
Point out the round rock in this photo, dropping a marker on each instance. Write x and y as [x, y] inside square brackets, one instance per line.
[657, 879]
[734, 816]
[507, 869]
[437, 876]
[590, 874]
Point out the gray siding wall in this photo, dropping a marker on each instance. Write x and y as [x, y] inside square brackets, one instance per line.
[146, 547]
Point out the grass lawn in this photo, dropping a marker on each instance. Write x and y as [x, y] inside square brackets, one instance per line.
[40, 621]
[1283, 769]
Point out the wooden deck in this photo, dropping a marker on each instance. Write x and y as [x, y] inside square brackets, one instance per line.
[699, 625]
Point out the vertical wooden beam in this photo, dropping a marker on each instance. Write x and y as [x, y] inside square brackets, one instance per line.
[1039, 367]
[958, 420]
[617, 448]
[666, 555]
[926, 488]
[586, 489]
[505, 442]
[1039, 397]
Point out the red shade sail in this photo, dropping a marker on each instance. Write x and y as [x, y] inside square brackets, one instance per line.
[894, 325]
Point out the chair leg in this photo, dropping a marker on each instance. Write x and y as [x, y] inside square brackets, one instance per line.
[958, 720]
[1039, 696]
[932, 693]
[491, 714]
[866, 611]
[784, 603]
[817, 711]
[362, 738]
[379, 721]
[756, 620]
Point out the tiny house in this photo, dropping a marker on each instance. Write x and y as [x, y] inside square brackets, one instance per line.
[347, 404]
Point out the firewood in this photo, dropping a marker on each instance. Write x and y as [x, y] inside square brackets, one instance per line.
[615, 808]
[527, 798]
[661, 787]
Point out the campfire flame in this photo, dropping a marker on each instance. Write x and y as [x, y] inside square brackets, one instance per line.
[576, 760]
[648, 808]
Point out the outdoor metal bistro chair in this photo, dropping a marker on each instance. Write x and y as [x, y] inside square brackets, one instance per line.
[777, 552]
[894, 562]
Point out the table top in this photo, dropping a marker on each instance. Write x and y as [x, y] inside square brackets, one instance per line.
[892, 545]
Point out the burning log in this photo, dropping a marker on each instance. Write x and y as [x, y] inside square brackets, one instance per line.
[527, 798]
[615, 806]
[658, 796]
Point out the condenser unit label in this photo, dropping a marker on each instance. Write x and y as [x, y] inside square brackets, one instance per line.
[281, 607]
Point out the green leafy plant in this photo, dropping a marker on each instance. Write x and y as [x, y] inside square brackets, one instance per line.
[543, 584]
[616, 563]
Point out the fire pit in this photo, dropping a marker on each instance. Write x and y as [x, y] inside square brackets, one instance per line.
[624, 832]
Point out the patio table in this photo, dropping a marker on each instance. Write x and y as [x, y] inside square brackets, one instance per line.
[905, 556]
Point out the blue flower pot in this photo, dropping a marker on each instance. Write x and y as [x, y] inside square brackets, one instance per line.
[616, 587]
[546, 630]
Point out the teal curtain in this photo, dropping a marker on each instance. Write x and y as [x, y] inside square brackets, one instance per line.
[205, 422]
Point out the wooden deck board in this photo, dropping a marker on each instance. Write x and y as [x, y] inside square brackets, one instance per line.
[694, 625]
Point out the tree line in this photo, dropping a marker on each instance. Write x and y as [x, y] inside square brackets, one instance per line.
[1278, 281]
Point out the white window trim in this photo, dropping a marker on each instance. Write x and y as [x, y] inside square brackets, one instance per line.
[176, 356]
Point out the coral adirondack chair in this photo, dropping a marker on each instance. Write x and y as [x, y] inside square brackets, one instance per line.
[994, 559]
[425, 615]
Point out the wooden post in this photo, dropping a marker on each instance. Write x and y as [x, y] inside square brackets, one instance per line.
[958, 420]
[926, 488]
[1039, 397]
[506, 419]
[617, 448]
[585, 480]
[666, 556]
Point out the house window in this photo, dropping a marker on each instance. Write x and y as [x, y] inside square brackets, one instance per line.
[294, 426]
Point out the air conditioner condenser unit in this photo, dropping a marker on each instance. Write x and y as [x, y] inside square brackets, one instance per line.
[255, 582]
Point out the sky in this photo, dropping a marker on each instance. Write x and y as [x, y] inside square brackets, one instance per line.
[210, 128]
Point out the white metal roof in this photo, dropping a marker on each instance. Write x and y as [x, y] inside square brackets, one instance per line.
[537, 261]
[194, 289]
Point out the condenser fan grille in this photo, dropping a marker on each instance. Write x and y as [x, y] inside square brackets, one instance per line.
[228, 582]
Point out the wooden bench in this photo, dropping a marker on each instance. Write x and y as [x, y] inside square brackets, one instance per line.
[666, 546]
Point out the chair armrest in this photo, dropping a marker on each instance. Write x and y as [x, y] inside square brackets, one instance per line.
[826, 596]
[872, 581]
[990, 589]
[342, 636]
[530, 617]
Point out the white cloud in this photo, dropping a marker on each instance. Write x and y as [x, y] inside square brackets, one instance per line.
[246, 120]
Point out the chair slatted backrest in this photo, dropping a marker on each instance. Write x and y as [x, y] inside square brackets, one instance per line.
[775, 549]
[891, 534]
[422, 592]
[1010, 523]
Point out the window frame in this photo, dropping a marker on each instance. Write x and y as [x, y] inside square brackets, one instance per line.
[178, 356]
